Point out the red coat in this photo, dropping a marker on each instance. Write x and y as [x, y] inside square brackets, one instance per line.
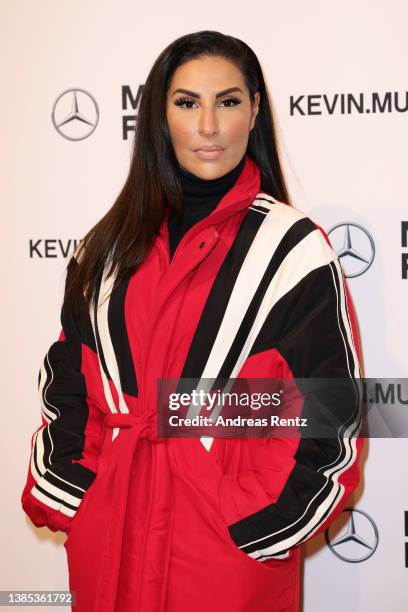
[166, 525]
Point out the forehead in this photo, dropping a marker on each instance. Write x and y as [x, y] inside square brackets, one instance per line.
[207, 74]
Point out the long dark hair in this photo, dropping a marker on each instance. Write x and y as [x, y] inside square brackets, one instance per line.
[125, 234]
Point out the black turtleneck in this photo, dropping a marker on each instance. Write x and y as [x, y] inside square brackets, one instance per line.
[199, 197]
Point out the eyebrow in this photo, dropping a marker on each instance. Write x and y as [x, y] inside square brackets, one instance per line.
[194, 94]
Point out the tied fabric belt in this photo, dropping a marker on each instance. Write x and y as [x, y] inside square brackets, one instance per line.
[146, 423]
[142, 426]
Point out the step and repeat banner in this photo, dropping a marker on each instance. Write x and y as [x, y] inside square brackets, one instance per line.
[337, 77]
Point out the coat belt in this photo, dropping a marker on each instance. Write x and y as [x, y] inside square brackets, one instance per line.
[143, 426]
[146, 422]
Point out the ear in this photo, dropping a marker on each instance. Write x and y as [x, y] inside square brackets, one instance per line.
[254, 110]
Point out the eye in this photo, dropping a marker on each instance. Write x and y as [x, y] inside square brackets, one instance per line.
[234, 100]
[183, 101]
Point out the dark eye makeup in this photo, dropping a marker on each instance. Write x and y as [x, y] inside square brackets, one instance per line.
[182, 101]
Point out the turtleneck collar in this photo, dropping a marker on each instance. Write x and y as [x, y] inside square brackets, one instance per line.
[237, 198]
[197, 190]
[199, 198]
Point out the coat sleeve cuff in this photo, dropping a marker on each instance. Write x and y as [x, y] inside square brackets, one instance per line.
[55, 497]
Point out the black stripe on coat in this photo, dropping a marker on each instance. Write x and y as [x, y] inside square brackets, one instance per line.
[96, 326]
[299, 230]
[119, 337]
[218, 298]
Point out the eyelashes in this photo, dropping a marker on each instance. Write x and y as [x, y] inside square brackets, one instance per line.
[182, 101]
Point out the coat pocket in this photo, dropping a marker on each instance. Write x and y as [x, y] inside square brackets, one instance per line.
[263, 566]
[277, 561]
[269, 564]
[78, 515]
[82, 508]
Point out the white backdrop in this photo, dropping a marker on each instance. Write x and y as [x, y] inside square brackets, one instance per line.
[342, 167]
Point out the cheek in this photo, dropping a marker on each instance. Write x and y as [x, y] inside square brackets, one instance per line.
[180, 127]
[237, 128]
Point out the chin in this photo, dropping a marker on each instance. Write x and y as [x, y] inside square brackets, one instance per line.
[209, 169]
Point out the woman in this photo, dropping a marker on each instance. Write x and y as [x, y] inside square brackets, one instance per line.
[201, 269]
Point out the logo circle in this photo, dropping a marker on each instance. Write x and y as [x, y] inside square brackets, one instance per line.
[75, 114]
[360, 540]
[354, 246]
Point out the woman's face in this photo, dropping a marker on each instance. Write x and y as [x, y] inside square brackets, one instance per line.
[204, 115]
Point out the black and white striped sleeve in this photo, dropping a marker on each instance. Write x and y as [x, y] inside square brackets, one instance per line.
[64, 448]
[295, 488]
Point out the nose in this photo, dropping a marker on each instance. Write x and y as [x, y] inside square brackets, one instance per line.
[208, 124]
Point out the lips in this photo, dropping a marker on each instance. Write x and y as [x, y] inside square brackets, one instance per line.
[209, 153]
[209, 148]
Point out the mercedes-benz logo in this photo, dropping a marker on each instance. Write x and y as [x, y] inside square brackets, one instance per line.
[354, 247]
[357, 541]
[75, 114]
